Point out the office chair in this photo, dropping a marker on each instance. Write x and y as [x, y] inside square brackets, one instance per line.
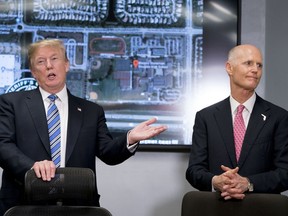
[200, 203]
[71, 192]
[70, 186]
[57, 211]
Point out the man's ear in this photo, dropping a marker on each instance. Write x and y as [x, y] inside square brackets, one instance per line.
[228, 67]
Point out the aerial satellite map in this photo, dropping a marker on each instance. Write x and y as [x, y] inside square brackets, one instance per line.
[136, 58]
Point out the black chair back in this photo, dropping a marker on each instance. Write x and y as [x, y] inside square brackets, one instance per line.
[199, 203]
[70, 186]
[71, 192]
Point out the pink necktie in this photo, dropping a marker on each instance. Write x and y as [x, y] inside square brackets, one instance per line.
[239, 130]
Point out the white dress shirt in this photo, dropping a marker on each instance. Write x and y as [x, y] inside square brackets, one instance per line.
[249, 104]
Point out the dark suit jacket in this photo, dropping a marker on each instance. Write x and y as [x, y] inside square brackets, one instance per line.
[24, 139]
[264, 155]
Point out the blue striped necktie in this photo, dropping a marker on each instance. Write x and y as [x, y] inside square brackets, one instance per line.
[53, 120]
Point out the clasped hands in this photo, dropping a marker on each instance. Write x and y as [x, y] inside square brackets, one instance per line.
[230, 183]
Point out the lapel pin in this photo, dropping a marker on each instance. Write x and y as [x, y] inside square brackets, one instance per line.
[264, 117]
[79, 109]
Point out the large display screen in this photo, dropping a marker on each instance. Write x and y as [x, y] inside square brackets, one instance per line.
[136, 58]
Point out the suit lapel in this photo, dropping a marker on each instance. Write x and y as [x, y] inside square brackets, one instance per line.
[224, 121]
[75, 117]
[35, 105]
[258, 118]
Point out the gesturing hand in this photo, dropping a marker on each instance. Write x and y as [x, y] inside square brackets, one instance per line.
[145, 131]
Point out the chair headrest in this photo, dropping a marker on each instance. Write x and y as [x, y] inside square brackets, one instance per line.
[68, 184]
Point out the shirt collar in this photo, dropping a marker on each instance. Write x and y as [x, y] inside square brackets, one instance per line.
[249, 104]
[62, 95]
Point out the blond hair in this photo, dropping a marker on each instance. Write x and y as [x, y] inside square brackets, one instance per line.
[56, 43]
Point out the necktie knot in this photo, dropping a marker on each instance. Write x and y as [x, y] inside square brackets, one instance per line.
[52, 97]
[240, 108]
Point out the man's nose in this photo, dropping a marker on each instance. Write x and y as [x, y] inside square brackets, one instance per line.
[48, 63]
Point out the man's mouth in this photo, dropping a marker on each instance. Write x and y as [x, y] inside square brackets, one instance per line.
[51, 75]
[251, 77]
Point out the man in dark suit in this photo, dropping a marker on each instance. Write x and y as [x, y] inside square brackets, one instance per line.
[262, 165]
[24, 138]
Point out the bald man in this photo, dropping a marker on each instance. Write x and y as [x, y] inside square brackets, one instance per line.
[259, 161]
